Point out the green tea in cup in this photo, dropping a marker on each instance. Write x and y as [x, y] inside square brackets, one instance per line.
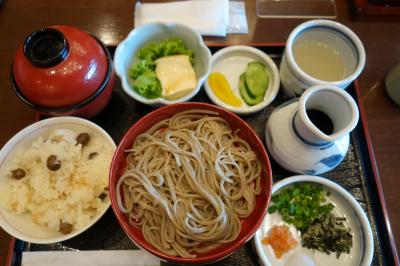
[320, 51]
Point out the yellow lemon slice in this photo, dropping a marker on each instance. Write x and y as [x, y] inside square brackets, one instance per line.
[221, 88]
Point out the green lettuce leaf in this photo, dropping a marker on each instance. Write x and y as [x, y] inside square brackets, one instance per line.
[147, 85]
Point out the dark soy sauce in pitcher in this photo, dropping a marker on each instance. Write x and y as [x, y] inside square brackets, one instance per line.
[321, 120]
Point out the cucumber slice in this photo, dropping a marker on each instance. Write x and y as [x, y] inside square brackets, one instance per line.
[245, 94]
[256, 78]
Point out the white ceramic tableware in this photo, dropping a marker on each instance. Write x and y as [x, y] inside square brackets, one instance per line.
[326, 33]
[21, 226]
[346, 205]
[298, 144]
[125, 56]
[392, 84]
[232, 62]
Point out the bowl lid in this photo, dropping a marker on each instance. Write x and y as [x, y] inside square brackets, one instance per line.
[59, 66]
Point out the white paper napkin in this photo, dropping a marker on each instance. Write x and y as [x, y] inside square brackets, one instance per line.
[89, 258]
[208, 17]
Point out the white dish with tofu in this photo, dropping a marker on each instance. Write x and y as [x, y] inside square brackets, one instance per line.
[175, 77]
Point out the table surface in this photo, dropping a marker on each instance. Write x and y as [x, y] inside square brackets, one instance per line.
[112, 20]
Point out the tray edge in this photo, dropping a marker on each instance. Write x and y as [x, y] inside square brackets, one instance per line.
[375, 171]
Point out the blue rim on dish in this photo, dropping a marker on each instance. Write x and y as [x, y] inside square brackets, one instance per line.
[343, 198]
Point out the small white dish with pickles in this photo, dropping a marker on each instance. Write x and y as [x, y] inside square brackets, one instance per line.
[312, 221]
[243, 79]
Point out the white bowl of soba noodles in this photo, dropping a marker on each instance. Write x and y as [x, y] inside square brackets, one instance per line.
[190, 183]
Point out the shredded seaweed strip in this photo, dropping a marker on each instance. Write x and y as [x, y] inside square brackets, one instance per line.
[328, 234]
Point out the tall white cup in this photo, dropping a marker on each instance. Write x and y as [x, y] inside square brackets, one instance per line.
[295, 80]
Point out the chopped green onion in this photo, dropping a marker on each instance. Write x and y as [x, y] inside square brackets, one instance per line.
[300, 204]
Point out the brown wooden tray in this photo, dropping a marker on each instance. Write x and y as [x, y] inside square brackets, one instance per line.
[357, 173]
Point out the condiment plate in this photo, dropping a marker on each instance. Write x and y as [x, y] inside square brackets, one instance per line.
[346, 206]
[232, 62]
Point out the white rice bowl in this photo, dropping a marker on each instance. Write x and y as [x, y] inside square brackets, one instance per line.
[32, 208]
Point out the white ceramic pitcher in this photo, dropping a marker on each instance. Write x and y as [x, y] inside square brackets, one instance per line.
[299, 144]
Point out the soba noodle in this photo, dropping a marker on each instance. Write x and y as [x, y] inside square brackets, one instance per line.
[188, 182]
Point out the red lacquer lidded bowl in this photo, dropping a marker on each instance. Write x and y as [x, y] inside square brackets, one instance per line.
[61, 70]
